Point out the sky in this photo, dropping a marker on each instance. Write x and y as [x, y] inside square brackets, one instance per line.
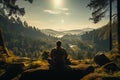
[59, 14]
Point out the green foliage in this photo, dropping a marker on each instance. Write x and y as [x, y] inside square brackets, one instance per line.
[99, 38]
[11, 7]
[99, 8]
[45, 55]
[25, 40]
[29, 41]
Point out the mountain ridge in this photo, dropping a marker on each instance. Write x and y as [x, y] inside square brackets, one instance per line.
[56, 33]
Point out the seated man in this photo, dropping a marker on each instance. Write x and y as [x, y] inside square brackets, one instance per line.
[58, 56]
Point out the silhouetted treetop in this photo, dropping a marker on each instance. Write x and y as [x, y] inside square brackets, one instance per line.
[99, 8]
[11, 7]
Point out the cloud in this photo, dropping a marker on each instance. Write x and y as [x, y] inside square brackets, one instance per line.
[52, 12]
[58, 11]
[67, 13]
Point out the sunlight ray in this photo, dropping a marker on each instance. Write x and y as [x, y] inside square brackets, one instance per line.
[58, 3]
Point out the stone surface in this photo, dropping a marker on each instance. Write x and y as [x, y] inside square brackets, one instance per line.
[12, 71]
[66, 74]
[101, 59]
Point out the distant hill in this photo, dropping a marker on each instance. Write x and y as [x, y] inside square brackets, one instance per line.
[78, 31]
[52, 32]
[17, 27]
[66, 32]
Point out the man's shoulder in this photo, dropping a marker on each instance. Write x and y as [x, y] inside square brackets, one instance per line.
[63, 48]
[58, 49]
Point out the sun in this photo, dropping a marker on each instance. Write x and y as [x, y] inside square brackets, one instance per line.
[58, 3]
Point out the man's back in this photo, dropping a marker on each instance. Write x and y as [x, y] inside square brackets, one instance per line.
[58, 56]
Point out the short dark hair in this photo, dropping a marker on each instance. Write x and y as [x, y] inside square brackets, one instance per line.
[58, 43]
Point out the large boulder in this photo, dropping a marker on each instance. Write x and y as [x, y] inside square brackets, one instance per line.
[101, 59]
[12, 71]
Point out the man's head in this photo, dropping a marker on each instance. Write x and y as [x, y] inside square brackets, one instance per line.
[58, 43]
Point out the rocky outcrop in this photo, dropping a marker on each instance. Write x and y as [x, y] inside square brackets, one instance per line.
[101, 59]
[66, 74]
[12, 71]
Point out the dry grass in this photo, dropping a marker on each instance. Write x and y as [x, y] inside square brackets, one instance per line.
[92, 76]
[99, 76]
[2, 71]
[115, 57]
